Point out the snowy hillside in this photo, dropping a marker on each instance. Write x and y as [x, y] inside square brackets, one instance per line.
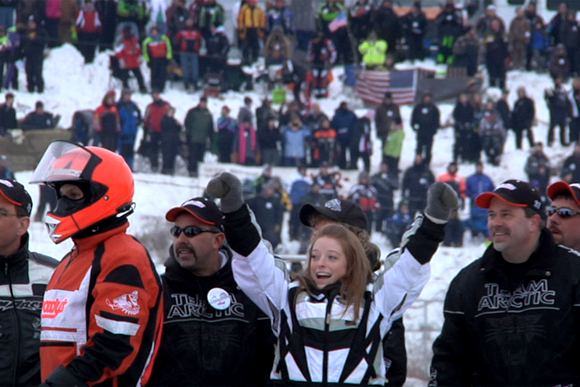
[70, 86]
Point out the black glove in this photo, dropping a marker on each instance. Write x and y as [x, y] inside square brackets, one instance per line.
[228, 188]
[61, 377]
[441, 200]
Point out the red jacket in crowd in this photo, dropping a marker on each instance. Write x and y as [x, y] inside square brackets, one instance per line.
[88, 21]
[188, 40]
[129, 53]
[153, 115]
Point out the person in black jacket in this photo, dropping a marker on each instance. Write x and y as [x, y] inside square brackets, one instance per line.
[269, 138]
[7, 114]
[361, 145]
[170, 141]
[523, 118]
[385, 182]
[512, 317]
[33, 44]
[496, 53]
[269, 212]
[560, 108]
[213, 334]
[463, 116]
[415, 184]
[425, 120]
[39, 119]
[387, 25]
[414, 28]
[24, 277]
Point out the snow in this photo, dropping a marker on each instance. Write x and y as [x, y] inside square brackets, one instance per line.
[70, 86]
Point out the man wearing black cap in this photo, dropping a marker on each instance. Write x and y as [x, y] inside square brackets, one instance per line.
[512, 318]
[213, 334]
[23, 279]
[563, 214]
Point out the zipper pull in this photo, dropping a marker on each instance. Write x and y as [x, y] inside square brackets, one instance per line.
[5, 268]
[328, 318]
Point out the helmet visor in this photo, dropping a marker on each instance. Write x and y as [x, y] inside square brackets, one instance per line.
[63, 161]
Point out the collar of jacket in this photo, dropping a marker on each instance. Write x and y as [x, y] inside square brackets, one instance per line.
[90, 242]
[18, 258]
[541, 261]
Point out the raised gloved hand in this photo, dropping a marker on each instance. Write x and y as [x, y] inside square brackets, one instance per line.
[228, 188]
[441, 201]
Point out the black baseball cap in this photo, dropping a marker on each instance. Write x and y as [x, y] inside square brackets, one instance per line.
[203, 209]
[561, 186]
[15, 193]
[343, 211]
[514, 192]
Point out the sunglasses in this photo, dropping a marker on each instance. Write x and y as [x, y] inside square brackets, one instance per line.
[189, 231]
[563, 212]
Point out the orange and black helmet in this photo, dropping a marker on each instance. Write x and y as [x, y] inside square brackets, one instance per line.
[104, 177]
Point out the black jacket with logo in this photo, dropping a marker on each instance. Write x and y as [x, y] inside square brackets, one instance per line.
[512, 325]
[23, 279]
[203, 346]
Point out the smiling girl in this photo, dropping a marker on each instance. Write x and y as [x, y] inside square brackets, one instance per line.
[330, 321]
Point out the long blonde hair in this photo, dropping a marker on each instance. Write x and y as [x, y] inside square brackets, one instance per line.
[358, 269]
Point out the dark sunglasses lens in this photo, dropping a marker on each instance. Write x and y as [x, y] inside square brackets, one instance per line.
[175, 231]
[562, 212]
[189, 231]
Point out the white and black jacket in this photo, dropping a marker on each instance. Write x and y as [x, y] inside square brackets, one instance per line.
[23, 279]
[318, 341]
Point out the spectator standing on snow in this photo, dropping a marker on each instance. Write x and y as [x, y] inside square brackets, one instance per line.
[386, 117]
[187, 43]
[574, 98]
[466, 51]
[560, 108]
[295, 138]
[130, 117]
[361, 145]
[107, 122]
[343, 122]
[496, 53]
[89, 28]
[246, 144]
[365, 195]
[523, 117]
[520, 33]
[170, 141]
[415, 183]
[211, 14]
[387, 25]
[130, 56]
[227, 127]
[463, 117]
[386, 183]
[425, 121]
[199, 131]
[251, 28]
[270, 139]
[300, 185]
[394, 147]
[572, 164]
[492, 134]
[153, 116]
[7, 114]
[414, 29]
[477, 184]
[33, 44]
[157, 52]
[538, 169]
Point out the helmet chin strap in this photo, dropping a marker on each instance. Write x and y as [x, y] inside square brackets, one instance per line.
[108, 223]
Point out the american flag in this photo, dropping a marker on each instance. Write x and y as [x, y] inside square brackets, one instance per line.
[371, 86]
[339, 22]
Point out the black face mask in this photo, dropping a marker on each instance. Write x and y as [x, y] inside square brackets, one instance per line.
[66, 206]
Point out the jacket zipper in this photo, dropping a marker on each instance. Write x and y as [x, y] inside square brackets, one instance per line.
[17, 330]
[325, 347]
